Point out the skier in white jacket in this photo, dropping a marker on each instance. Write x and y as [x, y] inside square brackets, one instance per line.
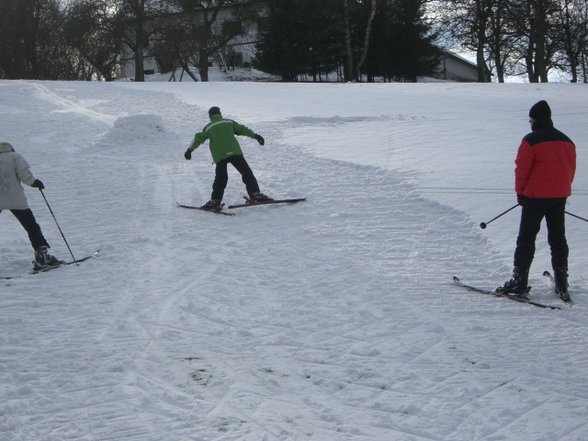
[15, 170]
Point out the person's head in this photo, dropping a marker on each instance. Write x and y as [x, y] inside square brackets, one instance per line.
[213, 111]
[6, 146]
[539, 111]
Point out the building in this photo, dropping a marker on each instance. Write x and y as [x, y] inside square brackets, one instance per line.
[455, 68]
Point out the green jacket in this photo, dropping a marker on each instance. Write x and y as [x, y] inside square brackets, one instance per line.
[221, 134]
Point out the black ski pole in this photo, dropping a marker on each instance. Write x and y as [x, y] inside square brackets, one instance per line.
[576, 216]
[58, 227]
[483, 225]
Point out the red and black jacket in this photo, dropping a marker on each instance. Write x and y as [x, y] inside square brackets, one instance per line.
[545, 163]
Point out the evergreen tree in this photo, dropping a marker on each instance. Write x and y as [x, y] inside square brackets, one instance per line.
[309, 37]
[298, 37]
[402, 47]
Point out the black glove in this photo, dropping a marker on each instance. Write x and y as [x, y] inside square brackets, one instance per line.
[38, 184]
[260, 139]
[188, 154]
[522, 199]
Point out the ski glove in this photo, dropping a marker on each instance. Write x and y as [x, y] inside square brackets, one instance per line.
[522, 199]
[38, 184]
[188, 154]
[260, 139]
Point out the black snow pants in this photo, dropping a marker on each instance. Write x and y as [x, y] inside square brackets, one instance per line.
[534, 210]
[29, 223]
[222, 177]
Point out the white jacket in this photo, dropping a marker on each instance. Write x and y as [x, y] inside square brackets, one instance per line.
[14, 169]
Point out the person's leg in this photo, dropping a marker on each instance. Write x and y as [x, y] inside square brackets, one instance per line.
[531, 217]
[221, 178]
[247, 175]
[556, 236]
[29, 223]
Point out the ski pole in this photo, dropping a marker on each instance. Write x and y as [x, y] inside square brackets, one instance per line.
[483, 225]
[58, 227]
[576, 216]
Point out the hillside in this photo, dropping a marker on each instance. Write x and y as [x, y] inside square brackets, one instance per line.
[332, 319]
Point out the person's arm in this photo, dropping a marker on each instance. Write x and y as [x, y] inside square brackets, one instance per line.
[199, 138]
[523, 165]
[23, 171]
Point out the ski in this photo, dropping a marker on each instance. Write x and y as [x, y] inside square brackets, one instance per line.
[268, 202]
[44, 269]
[37, 270]
[191, 207]
[499, 294]
[566, 297]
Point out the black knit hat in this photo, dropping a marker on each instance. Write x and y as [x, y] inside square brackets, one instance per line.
[540, 110]
[214, 111]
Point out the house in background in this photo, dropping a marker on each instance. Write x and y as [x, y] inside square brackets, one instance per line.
[239, 51]
[452, 67]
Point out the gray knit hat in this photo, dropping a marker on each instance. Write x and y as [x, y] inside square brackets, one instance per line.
[6, 146]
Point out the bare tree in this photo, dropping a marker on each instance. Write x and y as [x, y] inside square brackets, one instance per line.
[140, 22]
[572, 25]
[468, 23]
[209, 34]
[92, 30]
[533, 24]
[366, 39]
[352, 71]
[31, 44]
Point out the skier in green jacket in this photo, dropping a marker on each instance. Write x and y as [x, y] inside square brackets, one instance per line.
[225, 149]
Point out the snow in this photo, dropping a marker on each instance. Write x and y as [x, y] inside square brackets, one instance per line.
[331, 319]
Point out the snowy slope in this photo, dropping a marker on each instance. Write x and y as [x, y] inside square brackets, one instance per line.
[332, 319]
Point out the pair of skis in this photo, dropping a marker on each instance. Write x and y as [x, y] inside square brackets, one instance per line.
[248, 203]
[516, 298]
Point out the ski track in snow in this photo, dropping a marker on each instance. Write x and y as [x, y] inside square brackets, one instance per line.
[331, 319]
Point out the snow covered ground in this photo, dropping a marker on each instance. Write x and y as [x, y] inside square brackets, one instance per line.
[333, 319]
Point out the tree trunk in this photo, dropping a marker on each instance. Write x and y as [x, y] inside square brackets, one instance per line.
[541, 35]
[366, 40]
[203, 64]
[139, 8]
[348, 68]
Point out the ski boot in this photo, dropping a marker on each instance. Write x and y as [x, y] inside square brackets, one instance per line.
[560, 276]
[517, 285]
[258, 197]
[43, 259]
[212, 205]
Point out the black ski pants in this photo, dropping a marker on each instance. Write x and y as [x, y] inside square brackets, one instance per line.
[222, 177]
[29, 223]
[534, 210]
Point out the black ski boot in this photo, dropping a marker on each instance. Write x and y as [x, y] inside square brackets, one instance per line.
[560, 275]
[516, 286]
[259, 197]
[43, 259]
[212, 205]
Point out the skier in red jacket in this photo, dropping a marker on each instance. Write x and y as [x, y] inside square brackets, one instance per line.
[545, 168]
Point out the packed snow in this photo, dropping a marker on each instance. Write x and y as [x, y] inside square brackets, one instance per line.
[331, 319]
